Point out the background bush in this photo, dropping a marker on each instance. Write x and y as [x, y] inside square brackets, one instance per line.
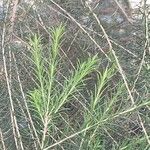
[74, 75]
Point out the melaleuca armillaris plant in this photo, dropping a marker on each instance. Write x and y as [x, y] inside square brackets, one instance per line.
[49, 95]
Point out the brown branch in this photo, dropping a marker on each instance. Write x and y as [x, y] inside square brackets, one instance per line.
[13, 16]
[122, 11]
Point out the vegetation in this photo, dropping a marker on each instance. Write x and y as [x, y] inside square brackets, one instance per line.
[73, 87]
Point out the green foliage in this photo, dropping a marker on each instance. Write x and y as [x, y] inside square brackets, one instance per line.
[68, 95]
[47, 99]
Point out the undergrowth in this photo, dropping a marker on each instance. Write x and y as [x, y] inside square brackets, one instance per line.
[96, 116]
[82, 86]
